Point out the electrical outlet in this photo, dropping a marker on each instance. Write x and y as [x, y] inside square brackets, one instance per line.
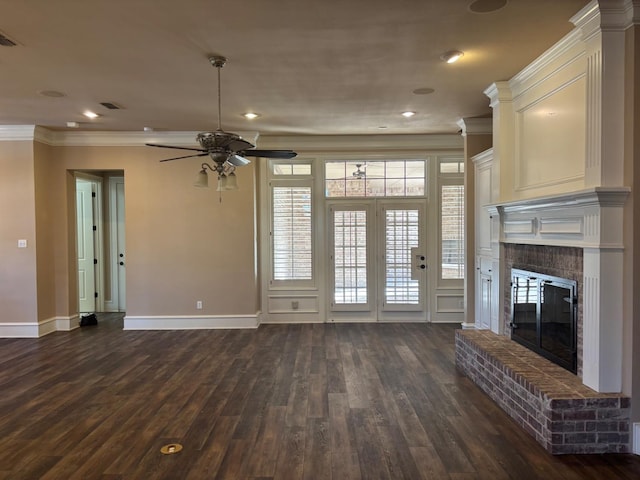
[22, 244]
[199, 304]
[295, 305]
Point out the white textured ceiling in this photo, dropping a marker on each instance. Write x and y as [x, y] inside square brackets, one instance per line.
[308, 67]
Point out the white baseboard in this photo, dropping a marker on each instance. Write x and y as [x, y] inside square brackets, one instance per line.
[468, 326]
[66, 324]
[19, 330]
[28, 329]
[186, 322]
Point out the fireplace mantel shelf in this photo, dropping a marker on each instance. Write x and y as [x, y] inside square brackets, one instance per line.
[590, 218]
[609, 196]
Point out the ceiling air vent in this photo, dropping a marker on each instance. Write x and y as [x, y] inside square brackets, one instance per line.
[6, 41]
[110, 105]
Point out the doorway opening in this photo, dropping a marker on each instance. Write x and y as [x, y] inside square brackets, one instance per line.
[100, 241]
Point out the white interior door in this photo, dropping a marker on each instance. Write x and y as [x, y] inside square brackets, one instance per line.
[85, 246]
[377, 261]
[117, 242]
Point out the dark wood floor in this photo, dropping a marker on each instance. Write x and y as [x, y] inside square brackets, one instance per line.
[283, 401]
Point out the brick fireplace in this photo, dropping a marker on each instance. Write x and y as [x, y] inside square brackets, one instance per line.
[575, 236]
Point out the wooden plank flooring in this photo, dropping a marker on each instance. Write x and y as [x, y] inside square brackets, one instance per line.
[322, 401]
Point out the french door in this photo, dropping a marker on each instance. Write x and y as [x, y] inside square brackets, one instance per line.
[378, 265]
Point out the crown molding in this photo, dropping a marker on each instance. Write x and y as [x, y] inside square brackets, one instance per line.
[16, 133]
[320, 143]
[102, 139]
[498, 92]
[557, 51]
[363, 143]
[618, 15]
[476, 126]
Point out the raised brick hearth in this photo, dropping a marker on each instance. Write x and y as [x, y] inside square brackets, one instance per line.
[549, 402]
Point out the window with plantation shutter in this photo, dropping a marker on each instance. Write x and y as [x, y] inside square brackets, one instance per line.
[452, 231]
[402, 233]
[292, 233]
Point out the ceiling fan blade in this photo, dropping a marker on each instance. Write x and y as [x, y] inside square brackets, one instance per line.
[238, 145]
[186, 156]
[238, 161]
[269, 153]
[171, 146]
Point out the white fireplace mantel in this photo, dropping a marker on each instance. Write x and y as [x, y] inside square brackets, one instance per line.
[590, 219]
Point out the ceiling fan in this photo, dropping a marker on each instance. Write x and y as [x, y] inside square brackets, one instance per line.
[359, 173]
[226, 149]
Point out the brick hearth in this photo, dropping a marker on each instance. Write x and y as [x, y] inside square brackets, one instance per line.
[549, 402]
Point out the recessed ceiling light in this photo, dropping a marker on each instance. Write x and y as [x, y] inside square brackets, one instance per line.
[250, 115]
[147, 129]
[408, 114]
[452, 56]
[423, 91]
[90, 114]
[73, 124]
[52, 93]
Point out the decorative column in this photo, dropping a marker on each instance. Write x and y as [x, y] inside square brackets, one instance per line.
[602, 26]
[477, 138]
[603, 32]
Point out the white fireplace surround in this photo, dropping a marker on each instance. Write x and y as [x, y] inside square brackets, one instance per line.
[590, 219]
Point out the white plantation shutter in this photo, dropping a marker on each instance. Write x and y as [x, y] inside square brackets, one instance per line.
[402, 233]
[350, 257]
[452, 231]
[292, 233]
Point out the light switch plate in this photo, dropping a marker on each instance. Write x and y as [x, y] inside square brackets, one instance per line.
[22, 243]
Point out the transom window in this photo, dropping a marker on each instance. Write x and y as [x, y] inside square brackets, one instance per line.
[291, 169]
[379, 178]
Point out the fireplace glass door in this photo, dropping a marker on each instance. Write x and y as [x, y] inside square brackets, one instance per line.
[544, 311]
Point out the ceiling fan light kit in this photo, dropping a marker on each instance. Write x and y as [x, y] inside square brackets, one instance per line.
[227, 150]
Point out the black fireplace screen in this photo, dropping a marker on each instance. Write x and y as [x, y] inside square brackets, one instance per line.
[543, 316]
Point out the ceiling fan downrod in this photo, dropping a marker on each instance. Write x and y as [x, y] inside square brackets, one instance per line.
[218, 62]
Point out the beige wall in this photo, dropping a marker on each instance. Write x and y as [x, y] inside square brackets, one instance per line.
[45, 233]
[18, 302]
[183, 245]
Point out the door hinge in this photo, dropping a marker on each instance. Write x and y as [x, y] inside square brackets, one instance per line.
[93, 194]
[95, 261]
[95, 228]
[95, 294]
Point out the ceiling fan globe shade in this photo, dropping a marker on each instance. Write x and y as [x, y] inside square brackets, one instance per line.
[232, 182]
[202, 180]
